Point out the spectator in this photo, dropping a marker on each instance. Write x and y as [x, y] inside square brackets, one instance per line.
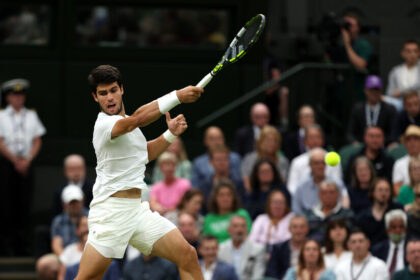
[20, 142]
[295, 140]
[371, 220]
[191, 203]
[285, 254]
[373, 112]
[335, 240]
[413, 215]
[391, 250]
[273, 226]
[362, 265]
[47, 267]
[187, 225]
[412, 271]
[149, 267]
[409, 116]
[165, 195]
[264, 179]
[300, 167]
[246, 136]
[212, 268]
[411, 141]
[63, 228]
[362, 177]
[75, 173]
[306, 195]
[267, 146]
[328, 209]
[374, 150]
[406, 76]
[246, 256]
[223, 204]
[406, 195]
[202, 169]
[311, 264]
[183, 165]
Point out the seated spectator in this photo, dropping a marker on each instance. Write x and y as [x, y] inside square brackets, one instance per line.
[306, 195]
[300, 167]
[112, 273]
[406, 195]
[183, 165]
[187, 225]
[273, 226]
[329, 208]
[285, 254]
[412, 254]
[246, 256]
[294, 143]
[165, 195]
[211, 267]
[267, 146]
[373, 112]
[149, 267]
[413, 215]
[202, 168]
[63, 227]
[406, 76]
[47, 267]
[374, 150]
[75, 173]
[311, 264]
[264, 179]
[335, 240]
[411, 141]
[371, 220]
[246, 136]
[391, 250]
[362, 177]
[191, 203]
[409, 116]
[223, 204]
[362, 265]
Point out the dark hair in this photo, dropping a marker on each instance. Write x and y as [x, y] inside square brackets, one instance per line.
[410, 41]
[357, 230]
[301, 259]
[332, 224]
[254, 180]
[188, 195]
[218, 149]
[409, 94]
[268, 201]
[223, 183]
[204, 238]
[354, 182]
[375, 183]
[104, 74]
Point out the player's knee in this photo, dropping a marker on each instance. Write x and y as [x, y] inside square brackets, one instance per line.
[188, 257]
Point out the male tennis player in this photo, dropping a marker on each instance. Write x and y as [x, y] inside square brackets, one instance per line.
[117, 216]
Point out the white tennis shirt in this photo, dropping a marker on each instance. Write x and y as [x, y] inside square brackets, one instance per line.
[121, 161]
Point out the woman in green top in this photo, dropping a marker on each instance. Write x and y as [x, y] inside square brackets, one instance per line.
[223, 204]
[406, 195]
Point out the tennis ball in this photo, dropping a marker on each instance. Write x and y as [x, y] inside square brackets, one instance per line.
[332, 159]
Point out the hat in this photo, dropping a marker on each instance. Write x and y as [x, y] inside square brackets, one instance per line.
[70, 193]
[373, 81]
[15, 86]
[412, 130]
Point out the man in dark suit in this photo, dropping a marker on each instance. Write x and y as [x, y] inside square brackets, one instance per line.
[247, 135]
[285, 254]
[410, 115]
[211, 267]
[373, 112]
[392, 250]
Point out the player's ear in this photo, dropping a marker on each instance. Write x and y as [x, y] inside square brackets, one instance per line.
[122, 89]
[94, 96]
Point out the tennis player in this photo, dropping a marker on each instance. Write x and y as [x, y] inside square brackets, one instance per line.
[117, 215]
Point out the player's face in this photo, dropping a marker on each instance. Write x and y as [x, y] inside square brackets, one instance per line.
[109, 98]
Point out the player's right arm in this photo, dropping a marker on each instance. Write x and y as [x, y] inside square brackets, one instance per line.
[152, 111]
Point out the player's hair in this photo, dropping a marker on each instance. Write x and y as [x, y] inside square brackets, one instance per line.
[104, 74]
[409, 94]
[332, 224]
[354, 182]
[188, 195]
[223, 183]
[353, 15]
[218, 149]
[410, 41]
[375, 183]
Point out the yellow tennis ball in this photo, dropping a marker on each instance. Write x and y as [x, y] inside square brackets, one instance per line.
[332, 159]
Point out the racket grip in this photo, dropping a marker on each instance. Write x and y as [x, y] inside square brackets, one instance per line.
[205, 80]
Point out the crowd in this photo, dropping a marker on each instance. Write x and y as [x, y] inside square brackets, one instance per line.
[267, 207]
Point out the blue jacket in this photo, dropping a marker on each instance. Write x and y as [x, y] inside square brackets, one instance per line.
[279, 260]
[224, 271]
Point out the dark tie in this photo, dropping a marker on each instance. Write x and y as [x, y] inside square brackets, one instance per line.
[393, 261]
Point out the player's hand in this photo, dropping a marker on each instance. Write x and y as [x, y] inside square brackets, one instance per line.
[189, 94]
[345, 35]
[176, 125]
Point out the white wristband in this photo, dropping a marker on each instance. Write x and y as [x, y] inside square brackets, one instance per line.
[169, 136]
[167, 102]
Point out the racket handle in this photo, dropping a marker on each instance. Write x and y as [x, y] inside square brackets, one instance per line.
[205, 80]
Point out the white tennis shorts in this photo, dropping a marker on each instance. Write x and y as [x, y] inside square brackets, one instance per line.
[117, 222]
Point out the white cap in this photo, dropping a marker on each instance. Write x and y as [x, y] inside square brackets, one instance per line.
[71, 192]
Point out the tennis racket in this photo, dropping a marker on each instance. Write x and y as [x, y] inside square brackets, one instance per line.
[245, 38]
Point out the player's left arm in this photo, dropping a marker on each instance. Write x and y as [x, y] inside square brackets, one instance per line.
[176, 127]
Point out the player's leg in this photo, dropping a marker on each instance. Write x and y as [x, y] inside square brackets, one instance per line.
[173, 246]
[92, 265]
